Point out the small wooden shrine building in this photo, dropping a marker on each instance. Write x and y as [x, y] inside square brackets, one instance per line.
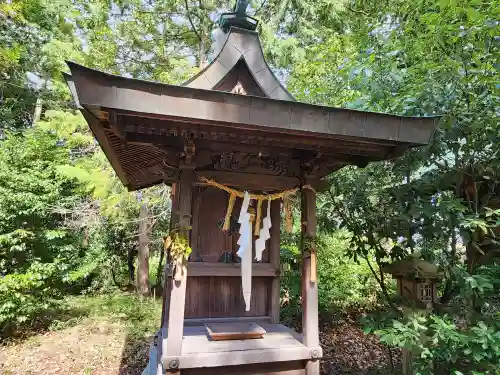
[236, 124]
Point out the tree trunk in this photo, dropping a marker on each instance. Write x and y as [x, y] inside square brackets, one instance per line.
[38, 110]
[143, 253]
[132, 253]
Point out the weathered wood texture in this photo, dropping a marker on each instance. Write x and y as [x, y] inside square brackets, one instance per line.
[167, 270]
[201, 321]
[229, 269]
[280, 344]
[240, 75]
[242, 47]
[125, 94]
[234, 331]
[213, 288]
[209, 297]
[211, 241]
[178, 288]
[280, 368]
[142, 124]
[274, 253]
[310, 324]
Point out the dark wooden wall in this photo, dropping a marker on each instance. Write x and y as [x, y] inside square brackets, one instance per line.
[220, 295]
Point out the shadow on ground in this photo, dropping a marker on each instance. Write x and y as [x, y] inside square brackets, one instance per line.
[135, 355]
[46, 320]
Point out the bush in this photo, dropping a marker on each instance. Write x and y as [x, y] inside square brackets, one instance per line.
[24, 297]
[439, 346]
[342, 283]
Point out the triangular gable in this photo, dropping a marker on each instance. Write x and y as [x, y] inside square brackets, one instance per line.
[241, 46]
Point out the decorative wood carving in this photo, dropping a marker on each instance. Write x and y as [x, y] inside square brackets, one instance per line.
[242, 162]
[189, 151]
[238, 89]
[170, 170]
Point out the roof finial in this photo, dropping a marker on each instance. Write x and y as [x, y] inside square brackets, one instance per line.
[240, 7]
[238, 18]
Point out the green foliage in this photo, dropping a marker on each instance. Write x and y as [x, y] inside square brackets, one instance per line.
[24, 296]
[342, 282]
[438, 344]
[31, 187]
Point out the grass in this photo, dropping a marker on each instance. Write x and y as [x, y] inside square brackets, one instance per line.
[94, 335]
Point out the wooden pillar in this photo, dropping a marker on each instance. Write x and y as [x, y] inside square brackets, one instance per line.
[310, 329]
[178, 288]
[166, 269]
[274, 259]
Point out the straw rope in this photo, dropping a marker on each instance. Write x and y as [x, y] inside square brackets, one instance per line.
[281, 195]
[240, 194]
[233, 193]
[258, 217]
[230, 206]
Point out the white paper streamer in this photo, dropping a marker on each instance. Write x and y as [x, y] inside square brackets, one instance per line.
[264, 234]
[245, 250]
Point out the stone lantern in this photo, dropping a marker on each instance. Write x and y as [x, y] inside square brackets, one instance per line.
[416, 280]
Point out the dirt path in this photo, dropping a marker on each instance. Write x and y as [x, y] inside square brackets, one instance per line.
[92, 347]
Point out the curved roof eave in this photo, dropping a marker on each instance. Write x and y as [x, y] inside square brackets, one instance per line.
[241, 44]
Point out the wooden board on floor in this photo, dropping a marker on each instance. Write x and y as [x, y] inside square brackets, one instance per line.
[235, 331]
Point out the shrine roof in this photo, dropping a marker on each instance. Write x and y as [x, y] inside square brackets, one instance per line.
[142, 126]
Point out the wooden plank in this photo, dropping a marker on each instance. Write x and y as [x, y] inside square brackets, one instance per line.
[215, 297]
[229, 269]
[280, 368]
[167, 283]
[310, 324]
[212, 240]
[242, 357]
[202, 321]
[251, 181]
[274, 249]
[196, 340]
[234, 331]
[195, 231]
[178, 291]
[269, 327]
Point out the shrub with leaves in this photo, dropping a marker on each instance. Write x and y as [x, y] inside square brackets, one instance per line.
[24, 296]
[439, 345]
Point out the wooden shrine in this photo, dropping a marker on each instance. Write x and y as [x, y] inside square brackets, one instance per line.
[233, 123]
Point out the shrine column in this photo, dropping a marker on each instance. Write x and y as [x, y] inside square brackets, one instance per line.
[177, 288]
[309, 283]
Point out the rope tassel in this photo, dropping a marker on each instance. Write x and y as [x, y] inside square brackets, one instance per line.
[258, 217]
[230, 206]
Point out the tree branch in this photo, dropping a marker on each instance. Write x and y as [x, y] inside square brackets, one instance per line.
[191, 22]
[357, 11]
